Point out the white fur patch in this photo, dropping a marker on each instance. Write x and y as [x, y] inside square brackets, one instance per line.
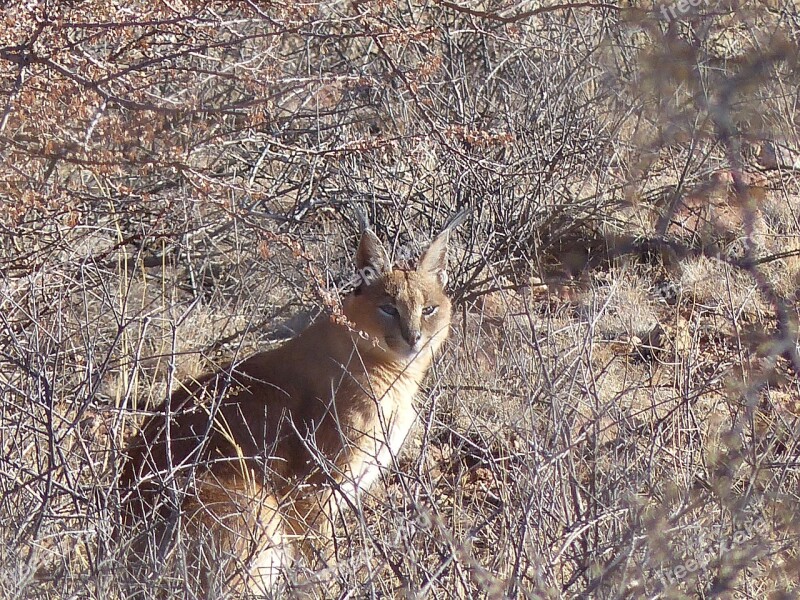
[381, 445]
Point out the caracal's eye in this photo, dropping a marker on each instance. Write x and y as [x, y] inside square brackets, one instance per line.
[429, 311]
[389, 310]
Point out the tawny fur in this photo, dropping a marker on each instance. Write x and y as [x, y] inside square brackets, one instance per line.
[246, 462]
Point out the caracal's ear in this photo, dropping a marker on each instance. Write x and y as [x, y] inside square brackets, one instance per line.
[434, 259]
[372, 261]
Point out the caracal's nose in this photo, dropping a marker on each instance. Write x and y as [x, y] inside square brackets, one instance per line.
[412, 337]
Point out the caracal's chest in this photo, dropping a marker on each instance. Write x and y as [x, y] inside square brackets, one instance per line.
[380, 443]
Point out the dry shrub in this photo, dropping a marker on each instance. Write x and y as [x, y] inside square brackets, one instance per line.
[616, 414]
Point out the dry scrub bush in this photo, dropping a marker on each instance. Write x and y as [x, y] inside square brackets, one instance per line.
[617, 412]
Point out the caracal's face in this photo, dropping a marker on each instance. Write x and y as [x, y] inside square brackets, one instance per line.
[405, 313]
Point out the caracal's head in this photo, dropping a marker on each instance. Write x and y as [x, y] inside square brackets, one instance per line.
[404, 312]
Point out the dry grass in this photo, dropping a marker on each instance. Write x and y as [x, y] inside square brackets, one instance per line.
[616, 414]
